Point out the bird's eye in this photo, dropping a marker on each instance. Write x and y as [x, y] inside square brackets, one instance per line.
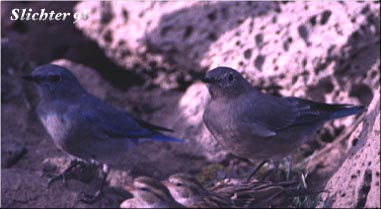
[231, 77]
[144, 189]
[54, 78]
[178, 184]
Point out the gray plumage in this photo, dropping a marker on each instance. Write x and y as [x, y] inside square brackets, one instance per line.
[255, 125]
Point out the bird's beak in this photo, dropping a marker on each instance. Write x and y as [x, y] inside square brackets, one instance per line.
[130, 188]
[166, 183]
[30, 78]
[208, 80]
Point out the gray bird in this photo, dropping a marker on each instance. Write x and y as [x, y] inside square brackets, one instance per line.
[254, 125]
[84, 126]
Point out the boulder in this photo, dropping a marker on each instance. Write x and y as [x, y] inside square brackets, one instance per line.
[360, 171]
[285, 45]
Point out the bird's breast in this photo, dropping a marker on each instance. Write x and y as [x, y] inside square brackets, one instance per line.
[55, 124]
[220, 117]
[220, 123]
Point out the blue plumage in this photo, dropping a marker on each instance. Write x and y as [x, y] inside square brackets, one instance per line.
[83, 125]
[161, 137]
[351, 110]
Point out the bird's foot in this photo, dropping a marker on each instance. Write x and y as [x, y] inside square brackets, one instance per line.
[275, 175]
[55, 178]
[65, 173]
[255, 170]
[88, 198]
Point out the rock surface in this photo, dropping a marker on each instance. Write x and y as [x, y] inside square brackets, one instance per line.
[360, 172]
[60, 40]
[290, 45]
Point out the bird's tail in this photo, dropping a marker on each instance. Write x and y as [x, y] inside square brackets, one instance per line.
[164, 138]
[346, 111]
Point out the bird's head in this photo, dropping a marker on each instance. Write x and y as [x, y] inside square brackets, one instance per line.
[225, 82]
[54, 82]
[149, 191]
[185, 188]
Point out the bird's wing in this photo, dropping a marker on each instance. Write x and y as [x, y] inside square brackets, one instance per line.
[313, 112]
[257, 129]
[150, 126]
[114, 125]
[292, 112]
[109, 121]
[265, 115]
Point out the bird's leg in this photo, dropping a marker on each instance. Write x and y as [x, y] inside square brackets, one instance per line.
[274, 173]
[276, 164]
[289, 169]
[88, 198]
[256, 170]
[277, 171]
[73, 163]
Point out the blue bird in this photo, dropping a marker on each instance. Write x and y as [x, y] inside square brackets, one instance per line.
[254, 125]
[85, 127]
